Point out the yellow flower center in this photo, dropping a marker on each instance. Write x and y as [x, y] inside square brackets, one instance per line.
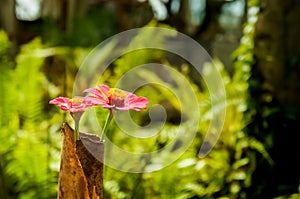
[117, 97]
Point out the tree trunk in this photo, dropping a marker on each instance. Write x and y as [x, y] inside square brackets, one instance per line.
[277, 49]
[81, 171]
[275, 93]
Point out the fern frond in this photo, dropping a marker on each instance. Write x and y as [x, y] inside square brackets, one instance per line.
[29, 81]
[7, 92]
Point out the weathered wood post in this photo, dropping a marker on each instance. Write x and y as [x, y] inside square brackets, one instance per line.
[81, 173]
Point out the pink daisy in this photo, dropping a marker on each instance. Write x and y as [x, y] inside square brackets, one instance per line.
[117, 99]
[75, 105]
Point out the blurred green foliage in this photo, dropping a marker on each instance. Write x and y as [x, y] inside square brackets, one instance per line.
[30, 148]
[27, 149]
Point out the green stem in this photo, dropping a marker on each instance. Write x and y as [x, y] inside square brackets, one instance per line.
[108, 120]
[76, 117]
[76, 130]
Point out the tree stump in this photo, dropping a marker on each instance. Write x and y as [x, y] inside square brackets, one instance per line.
[81, 173]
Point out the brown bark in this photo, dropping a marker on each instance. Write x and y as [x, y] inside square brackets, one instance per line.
[92, 164]
[277, 49]
[81, 173]
[274, 89]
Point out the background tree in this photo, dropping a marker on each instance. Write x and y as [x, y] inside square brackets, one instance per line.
[275, 97]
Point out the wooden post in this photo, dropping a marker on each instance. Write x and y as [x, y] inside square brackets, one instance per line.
[81, 173]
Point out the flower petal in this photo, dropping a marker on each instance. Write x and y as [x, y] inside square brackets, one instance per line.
[96, 92]
[104, 88]
[59, 100]
[107, 106]
[133, 102]
[77, 104]
[137, 102]
[62, 102]
[93, 101]
[101, 92]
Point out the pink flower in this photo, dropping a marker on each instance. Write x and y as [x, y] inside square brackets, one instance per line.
[114, 98]
[75, 105]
